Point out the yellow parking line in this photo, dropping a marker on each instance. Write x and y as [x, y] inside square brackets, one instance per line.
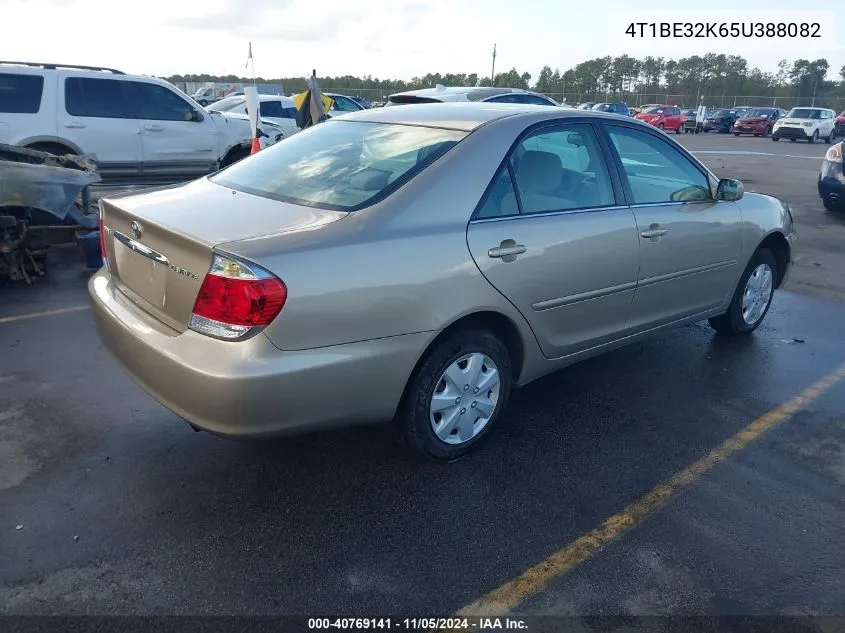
[508, 596]
[35, 315]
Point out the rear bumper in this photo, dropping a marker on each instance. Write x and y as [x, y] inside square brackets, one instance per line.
[251, 389]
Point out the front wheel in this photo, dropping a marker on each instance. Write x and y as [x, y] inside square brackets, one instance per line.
[456, 395]
[752, 298]
[775, 139]
[813, 138]
[736, 133]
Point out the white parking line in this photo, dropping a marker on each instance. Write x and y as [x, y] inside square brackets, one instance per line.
[744, 153]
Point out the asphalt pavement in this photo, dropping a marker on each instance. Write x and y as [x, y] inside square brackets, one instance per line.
[688, 475]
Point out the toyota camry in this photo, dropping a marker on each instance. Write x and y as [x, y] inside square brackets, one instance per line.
[415, 264]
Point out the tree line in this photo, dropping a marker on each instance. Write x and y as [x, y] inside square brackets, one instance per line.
[709, 75]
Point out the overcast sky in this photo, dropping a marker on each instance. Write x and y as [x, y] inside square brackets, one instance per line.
[383, 38]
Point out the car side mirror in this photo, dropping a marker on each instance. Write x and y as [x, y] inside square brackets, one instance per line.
[193, 116]
[729, 189]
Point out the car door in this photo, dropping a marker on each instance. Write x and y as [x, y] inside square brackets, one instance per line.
[553, 235]
[97, 117]
[828, 121]
[690, 244]
[177, 140]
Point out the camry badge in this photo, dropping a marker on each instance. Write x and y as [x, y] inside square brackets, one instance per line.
[137, 229]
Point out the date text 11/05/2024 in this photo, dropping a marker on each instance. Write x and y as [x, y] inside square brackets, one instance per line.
[411, 624]
[725, 29]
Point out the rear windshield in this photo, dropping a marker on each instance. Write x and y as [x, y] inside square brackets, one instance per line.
[340, 165]
[804, 113]
[404, 99]
[20, 94]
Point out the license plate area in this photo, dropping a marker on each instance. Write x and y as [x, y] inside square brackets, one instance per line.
[141, 269]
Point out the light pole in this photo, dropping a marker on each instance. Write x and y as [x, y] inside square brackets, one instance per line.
[493, 70]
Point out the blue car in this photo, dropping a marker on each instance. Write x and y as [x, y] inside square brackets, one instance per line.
[832, 180]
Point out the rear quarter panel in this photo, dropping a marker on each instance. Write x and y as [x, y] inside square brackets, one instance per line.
[399, 267]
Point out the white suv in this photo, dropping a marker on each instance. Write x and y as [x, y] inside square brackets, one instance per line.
[139, 128]
[807, 124]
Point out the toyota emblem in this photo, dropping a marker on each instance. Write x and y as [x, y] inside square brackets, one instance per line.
[137, 229]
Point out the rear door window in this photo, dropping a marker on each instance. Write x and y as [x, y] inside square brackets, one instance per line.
[102, 98]
[20, 94]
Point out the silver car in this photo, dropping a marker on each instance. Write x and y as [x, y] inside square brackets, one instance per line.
[414, 264]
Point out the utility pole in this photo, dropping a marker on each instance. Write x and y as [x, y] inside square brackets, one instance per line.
[815, 85]
[493, 71]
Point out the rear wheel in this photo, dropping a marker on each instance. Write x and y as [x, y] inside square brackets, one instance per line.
[736, 133]
[456, 395]
[829, 138]
[752, 298]
[678, 130]
[662, 127]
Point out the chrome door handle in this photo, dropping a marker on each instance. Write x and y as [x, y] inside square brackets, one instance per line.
[507, 251]
[154, 128]
[653, 232]
[74, 124]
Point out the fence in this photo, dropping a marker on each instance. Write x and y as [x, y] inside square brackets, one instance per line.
[721, 101]
[632, 99]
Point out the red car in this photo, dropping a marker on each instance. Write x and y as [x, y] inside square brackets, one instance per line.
[839, 125]
[757, 121]
[666, 117]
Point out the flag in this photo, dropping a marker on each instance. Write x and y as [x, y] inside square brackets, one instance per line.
[311, 105]
[249, 57]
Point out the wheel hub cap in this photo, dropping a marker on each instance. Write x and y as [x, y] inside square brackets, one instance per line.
[464, 398]
[757, 294]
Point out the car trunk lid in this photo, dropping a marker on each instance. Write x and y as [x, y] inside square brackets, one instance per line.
[159, 244]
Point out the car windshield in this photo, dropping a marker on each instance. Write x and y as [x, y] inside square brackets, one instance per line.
[759, 112]
[226, 104]
[804, 113]
[340, 165]
[719, 113]
[654, 111]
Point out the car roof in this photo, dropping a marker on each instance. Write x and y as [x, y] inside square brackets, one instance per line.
[476, 93]
[465, 116]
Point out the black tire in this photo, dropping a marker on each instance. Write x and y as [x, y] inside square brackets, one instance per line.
[831, 206]
[412, 417]
[792, 140]
[731, 322]
[813, 138]
[678, 130]
[736, 133]
[767, 131]
[775, 139]
[661, 127]
[234, 155]
[829, 138]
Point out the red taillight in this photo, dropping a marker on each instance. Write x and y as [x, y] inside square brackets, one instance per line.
[236, 297]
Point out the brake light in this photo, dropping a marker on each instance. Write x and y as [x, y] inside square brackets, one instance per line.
[103, 250]
[235, 298]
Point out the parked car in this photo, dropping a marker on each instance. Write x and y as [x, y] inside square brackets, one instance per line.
[612, 108]
[757, 121]
[342, 104]
[666, 117]
[722, 120]
[647, 106]
[831, 183]
[252, 321]
[690, 115]
[806, 124]
[277, 109]
[440, 94]
[139, 128]
[361, 101]
[839, 125]
[587, 105]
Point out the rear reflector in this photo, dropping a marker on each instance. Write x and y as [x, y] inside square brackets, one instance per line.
[103, 250]
[235, 298]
